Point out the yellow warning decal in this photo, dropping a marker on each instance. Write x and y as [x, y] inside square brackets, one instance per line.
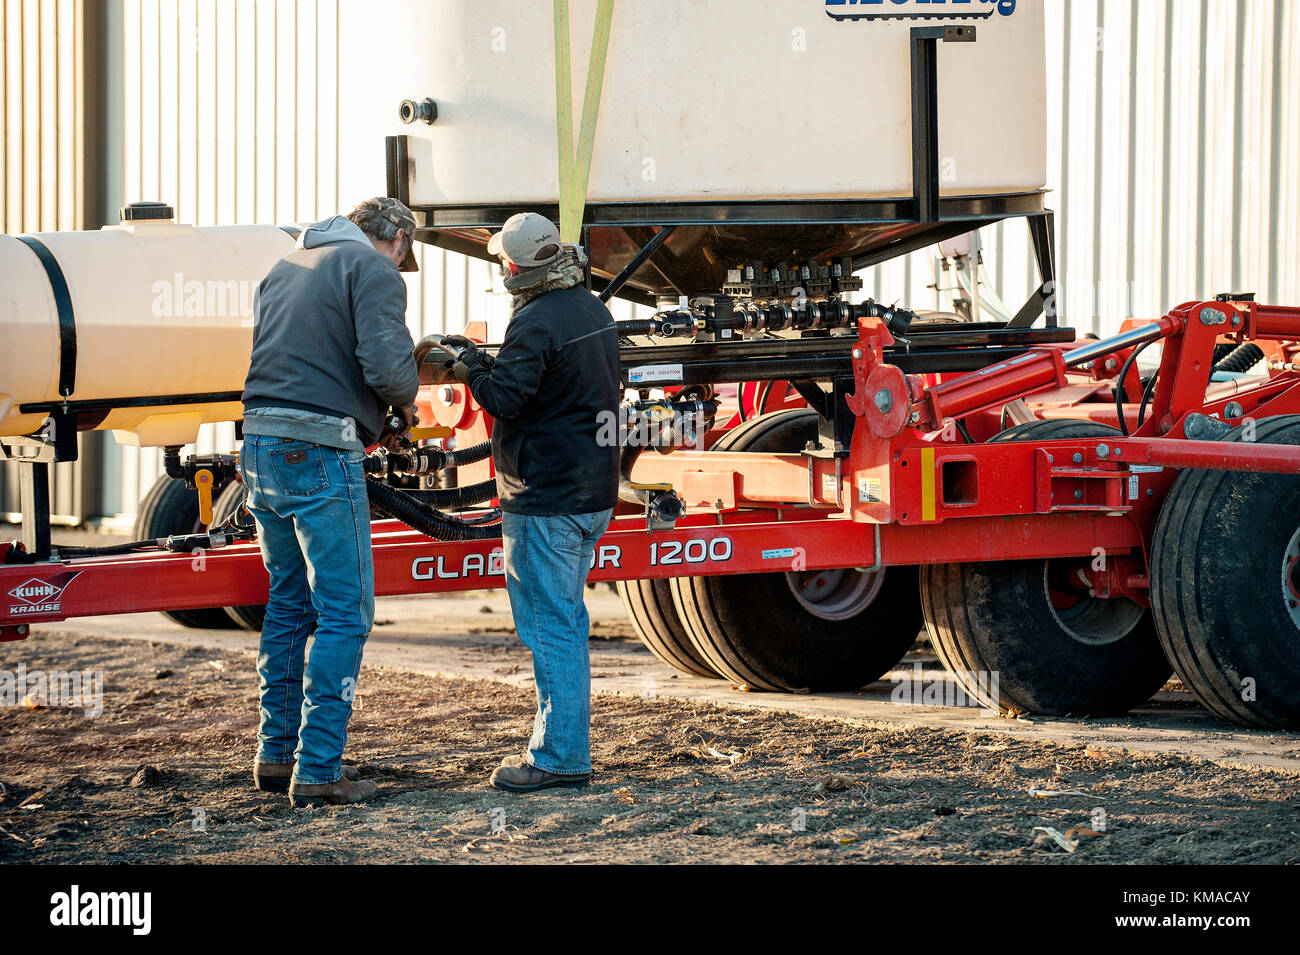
[927, 484]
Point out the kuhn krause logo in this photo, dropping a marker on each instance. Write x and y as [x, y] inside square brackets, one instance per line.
[918, 9]
[39, 595]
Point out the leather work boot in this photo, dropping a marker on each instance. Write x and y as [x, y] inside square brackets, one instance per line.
[274, 777]
[517, 775]
[342, 793]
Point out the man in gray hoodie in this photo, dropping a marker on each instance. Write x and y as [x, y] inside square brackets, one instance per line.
[331, 356]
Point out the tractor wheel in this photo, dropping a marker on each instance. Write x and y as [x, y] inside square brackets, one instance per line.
[1225, 586]
[1054, 649]
[649, 605]
[653, 612]
[799, 630]
[172, 508]
[249, 617]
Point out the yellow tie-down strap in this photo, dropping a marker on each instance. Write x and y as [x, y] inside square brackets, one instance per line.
[575, 167]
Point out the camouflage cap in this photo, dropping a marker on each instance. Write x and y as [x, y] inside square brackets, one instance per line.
[396, 212]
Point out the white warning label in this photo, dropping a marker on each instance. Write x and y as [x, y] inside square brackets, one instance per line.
[645, 374]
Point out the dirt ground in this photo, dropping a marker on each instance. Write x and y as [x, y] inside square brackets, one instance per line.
[162, 776]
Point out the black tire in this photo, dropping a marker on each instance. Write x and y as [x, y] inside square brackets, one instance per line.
[753, 629]
[653, 612]
[249, 617]
[1097, 656]
[172, 508]
[1225, 568]
[649, 605]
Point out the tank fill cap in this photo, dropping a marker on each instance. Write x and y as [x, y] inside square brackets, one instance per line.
[140, 211]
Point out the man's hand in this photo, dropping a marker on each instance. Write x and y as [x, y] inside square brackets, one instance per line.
[397, 427]
[465, 354]
[462, 350]
[458, 346]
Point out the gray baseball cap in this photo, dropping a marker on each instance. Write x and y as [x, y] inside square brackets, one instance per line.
[527, 239]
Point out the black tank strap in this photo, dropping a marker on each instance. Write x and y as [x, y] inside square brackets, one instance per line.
[67, 320]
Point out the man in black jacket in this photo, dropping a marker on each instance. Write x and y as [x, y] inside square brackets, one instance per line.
[553, 382]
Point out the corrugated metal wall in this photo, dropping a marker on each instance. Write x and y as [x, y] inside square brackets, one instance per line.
[1173, 128]
[1180, 134]
[42, 113]
[47, 130]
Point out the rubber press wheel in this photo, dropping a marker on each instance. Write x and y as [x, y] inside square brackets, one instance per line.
[649, 605]
[172, 508]
[798, 630]
[251, 616]
[1225, 585]
[1054, 648]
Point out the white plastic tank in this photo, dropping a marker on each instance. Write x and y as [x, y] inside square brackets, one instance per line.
[160, 309]
[715, 100]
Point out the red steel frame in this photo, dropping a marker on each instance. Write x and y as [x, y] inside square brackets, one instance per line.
[910, 491]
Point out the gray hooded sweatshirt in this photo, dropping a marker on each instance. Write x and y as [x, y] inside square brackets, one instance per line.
[331, 350]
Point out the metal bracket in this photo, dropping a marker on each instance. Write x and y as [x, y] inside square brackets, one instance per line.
[638, 260]
[925, 115]
[1042, 301]
[662, 511]
[812, 482]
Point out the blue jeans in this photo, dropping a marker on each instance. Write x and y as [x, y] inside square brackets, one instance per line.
[313, 525]
[546, 562]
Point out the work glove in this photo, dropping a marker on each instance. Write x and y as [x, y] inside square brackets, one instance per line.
[465, 354]
[460, 370]
[397, 427]
[458, 346]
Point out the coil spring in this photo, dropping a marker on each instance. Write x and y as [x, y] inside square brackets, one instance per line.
[1241, 359]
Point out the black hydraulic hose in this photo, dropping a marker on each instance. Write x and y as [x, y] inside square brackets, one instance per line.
[1123, 377]
[471, 455]
[456, 497]
[421, 460]
[1147, 392]
[214, 537]
[109, 550]
[637, 326]
[663, 507]
[423, 518]
[807, 315]
[1241, 359]
[487, 517]
[413, 512]
[626, 461]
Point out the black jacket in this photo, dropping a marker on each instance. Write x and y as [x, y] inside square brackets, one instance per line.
[554, 392]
